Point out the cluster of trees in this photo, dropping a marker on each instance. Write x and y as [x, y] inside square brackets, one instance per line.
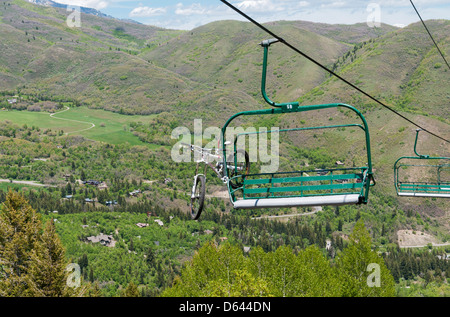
[350, 55]
[28, 101]
[430, 265]
[81, 158]
[226, 271]
[35, 261]
[271, 234]
[158, 131]
[268, 235]
[124, 167]
[25, 132]
[276, 248]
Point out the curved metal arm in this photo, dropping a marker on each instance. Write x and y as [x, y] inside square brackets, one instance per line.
[415, 145]
[265, 44]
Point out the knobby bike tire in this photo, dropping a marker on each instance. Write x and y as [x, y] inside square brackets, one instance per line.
[198, 202]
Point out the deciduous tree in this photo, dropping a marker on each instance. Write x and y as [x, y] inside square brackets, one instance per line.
[362, 272]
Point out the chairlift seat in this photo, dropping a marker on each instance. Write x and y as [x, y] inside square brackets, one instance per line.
[334, 200]
[438, 187]
[424, 190]
[278, 190]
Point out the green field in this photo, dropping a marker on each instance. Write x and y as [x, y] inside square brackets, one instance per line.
[109, 127]
[38, 119]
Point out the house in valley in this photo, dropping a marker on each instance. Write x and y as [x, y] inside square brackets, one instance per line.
[103, 239]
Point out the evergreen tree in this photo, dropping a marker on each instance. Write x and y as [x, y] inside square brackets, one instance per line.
[69, 189]
[131, 291]
[328, 229]
[31, 259]
[83, 262]
[340, 224]
[83, 175]
[91, 275]
[47, 275]
[150, 256]
[19, 235]
[131, 245]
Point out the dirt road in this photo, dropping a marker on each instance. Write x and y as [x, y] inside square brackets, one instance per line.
[31, 183]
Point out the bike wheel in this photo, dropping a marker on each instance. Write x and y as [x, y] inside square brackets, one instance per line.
[242, 168]
[199, 197]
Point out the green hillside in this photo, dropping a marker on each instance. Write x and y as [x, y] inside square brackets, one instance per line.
[402, 68]
[96, 64]
[140, 69]
[215, 69]
[100, 102]
[226, 54]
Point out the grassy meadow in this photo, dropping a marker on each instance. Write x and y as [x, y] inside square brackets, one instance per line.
[94, 124]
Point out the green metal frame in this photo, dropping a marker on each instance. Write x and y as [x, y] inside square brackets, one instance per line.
[439, 189]
[295, 184]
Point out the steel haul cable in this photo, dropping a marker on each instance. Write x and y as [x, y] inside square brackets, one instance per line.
[328, 70]
[429, 33]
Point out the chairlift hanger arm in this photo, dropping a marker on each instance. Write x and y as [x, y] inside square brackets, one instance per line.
[265, 44]
[415, 145]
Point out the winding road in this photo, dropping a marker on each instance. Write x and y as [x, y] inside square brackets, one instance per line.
[67, 133]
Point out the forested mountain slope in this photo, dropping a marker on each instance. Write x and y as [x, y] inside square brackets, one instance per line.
[155, 80]
[214, 71]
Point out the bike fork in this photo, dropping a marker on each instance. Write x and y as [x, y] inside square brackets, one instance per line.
[194, 187]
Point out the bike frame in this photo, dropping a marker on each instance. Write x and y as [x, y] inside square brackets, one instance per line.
[205, 153]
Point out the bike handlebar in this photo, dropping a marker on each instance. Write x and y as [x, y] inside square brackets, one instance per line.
[196, 147]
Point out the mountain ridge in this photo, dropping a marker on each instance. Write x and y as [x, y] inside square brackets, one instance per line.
[86, 10]
[212, 60]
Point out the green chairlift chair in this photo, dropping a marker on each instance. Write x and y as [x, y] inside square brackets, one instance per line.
[437, 186]
[303, 188]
